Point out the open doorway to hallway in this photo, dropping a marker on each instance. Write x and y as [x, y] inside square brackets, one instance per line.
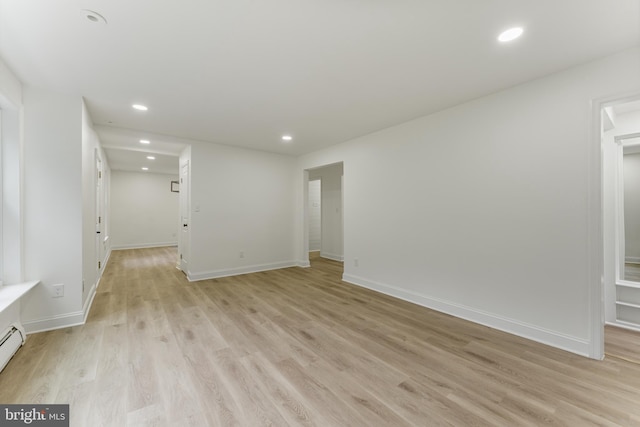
[621, 224]
[324, 213]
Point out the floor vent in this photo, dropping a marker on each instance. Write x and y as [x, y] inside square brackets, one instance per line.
[12, 339]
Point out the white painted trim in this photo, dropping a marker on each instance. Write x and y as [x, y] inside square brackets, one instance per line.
[624, 325]
[12, 293]
[632, 260]
[303, 264]
[143, 246]
[619, 139]
[106, 260]
[55, 322]
[89, 302]
[628, 284]
[535, 333]
[594, 347]
[194, 277]
[332, 256]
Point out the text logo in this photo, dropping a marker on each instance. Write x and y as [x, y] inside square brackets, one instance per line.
[34, 415]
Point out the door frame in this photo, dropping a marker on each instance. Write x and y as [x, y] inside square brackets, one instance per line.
[185, 218]
[596, 228]
[309, 222]
[619, 206]
[99, 217]
[304, 262]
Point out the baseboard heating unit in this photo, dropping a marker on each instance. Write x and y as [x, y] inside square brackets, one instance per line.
[11, 340]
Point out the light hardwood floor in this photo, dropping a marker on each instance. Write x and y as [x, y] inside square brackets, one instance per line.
[299, 347]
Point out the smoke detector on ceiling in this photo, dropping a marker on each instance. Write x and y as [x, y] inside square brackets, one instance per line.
[93, 16]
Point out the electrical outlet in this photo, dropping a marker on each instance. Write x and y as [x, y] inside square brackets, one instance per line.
[355, 262]
[58, 291]
[241, 254]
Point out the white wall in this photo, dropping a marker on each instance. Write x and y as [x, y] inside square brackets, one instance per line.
[482, 210]
[332, 236]
[10, 88]
[12, 259]
[53, 207]
[11, 262]
[93, 251]
[632, 206]
[144, 211]
[315, 215]
[241, 201]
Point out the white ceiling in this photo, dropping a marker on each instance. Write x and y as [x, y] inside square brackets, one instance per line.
[125, 152]
[245, 72]
[627, 107]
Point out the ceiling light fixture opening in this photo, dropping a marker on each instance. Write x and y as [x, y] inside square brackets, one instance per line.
[151, 158]
[287, 137]
[140, 107]
[510, 34]
[145, 141]
[145, 169]
[93, 16]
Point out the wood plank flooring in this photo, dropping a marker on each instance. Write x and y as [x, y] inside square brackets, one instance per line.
[299, 347]
[622, 343]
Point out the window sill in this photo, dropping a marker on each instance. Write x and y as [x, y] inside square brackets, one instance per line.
[12, 293]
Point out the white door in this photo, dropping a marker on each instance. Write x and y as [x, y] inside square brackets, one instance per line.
[184, 218]
[99, 214]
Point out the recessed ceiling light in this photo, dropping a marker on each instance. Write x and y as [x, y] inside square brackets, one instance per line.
[287, 138]
[145, 141]
[151, 158]
[145, 169]
[510, 34]
[92, 16]
[140, 107]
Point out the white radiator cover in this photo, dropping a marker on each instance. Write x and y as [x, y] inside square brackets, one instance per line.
[10, 341]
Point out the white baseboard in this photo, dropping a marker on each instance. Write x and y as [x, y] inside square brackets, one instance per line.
[515, 327]
[624, 325]
[194, 277]
[104, 265]
[55, 322]
[332, 256]
[143, 245]
[89, 302]
[67, 320]
[61, 321]
[303, 263]
[632, 259]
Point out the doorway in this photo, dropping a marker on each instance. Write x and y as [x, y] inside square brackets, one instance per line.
[185, 219]
[324, 212]
[315, 217]
[621, 226]
[100, 217]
